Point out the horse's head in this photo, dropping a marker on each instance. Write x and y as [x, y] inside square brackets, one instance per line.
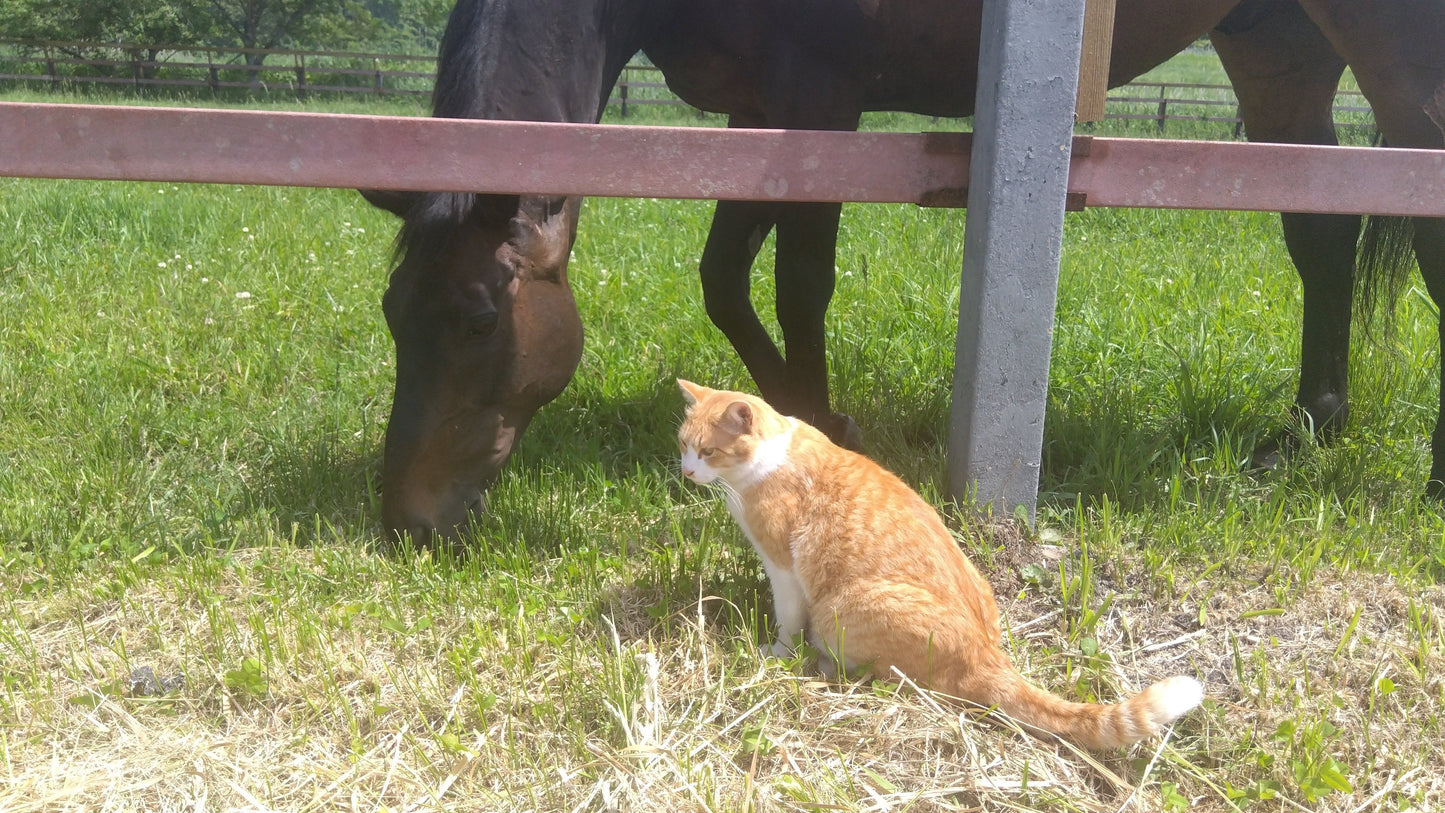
[485, 326]
[486, 332]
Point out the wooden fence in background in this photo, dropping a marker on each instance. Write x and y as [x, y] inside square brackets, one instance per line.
[58, 65]
[302, 74]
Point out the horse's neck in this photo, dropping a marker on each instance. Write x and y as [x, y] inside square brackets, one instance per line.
[490, 53]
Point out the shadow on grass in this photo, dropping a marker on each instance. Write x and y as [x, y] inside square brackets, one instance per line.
[1098, 444]
[326, 487]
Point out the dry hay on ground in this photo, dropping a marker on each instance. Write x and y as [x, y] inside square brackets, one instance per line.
[687, 718]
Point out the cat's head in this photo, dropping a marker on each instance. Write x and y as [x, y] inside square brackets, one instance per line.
[729, 436]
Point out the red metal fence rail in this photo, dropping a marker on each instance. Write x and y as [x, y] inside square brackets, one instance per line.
[400, 152]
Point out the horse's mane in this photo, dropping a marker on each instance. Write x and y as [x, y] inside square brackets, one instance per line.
[467, 56]
[470, 48]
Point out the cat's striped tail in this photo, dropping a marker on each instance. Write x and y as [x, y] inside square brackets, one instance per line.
[1094, 725]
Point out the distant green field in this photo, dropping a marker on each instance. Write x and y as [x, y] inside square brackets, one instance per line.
[194, 385]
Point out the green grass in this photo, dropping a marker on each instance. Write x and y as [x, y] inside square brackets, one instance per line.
[391, 105]
[188, 484]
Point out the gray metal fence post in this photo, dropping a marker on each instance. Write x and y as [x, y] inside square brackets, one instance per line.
[1023, 131]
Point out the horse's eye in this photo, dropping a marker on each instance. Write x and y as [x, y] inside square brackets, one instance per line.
[482, 325]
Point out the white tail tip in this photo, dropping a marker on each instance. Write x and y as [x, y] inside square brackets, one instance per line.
[1176, 696]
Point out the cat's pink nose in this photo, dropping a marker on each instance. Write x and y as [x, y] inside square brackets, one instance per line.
[687, 472]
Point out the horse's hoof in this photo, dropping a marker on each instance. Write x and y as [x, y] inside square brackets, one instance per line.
[1266, 457]
[1434, 491]
[844, 431]
[1274, 452]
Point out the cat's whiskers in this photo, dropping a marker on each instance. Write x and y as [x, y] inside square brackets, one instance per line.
[728, 490]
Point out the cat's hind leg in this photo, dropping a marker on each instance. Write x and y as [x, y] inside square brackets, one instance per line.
[890, 626]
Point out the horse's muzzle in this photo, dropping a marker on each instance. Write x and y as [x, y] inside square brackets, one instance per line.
[429, 531]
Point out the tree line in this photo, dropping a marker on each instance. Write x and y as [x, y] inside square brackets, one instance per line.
[406, 26]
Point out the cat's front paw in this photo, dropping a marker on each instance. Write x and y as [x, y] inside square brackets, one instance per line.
[776, 649]
[827, 667]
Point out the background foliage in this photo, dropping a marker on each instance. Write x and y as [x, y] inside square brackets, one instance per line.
[409, 25]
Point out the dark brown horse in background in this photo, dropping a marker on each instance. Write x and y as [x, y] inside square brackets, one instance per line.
[485, 325]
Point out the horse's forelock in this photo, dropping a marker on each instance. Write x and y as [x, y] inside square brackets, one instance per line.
[432, 220]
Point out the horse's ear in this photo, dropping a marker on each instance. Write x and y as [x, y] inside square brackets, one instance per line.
[398, 203]
[542, 232]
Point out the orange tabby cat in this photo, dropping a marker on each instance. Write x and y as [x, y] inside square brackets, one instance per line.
[866, 568]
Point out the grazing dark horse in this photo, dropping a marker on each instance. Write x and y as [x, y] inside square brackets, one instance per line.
[485, 326]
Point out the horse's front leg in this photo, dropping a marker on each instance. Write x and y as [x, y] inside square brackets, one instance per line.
[1285, 73]
[737, 232]
[807, 247]
[1323, 250]
[1429, 244]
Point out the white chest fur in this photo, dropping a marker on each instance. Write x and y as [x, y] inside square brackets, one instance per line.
[768, 456]
[790, 599]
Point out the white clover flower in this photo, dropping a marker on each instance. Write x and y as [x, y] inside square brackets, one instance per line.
[243, 294]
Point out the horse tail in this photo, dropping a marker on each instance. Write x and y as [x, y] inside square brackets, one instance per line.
[1383, 261]
[1095, 725]
[1382, 267]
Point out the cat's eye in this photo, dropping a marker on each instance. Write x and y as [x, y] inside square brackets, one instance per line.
[706, 451]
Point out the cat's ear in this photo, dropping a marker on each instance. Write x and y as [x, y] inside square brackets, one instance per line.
[690, 391]
[738, 418]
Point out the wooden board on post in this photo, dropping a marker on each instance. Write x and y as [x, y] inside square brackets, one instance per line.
[1094, 60]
